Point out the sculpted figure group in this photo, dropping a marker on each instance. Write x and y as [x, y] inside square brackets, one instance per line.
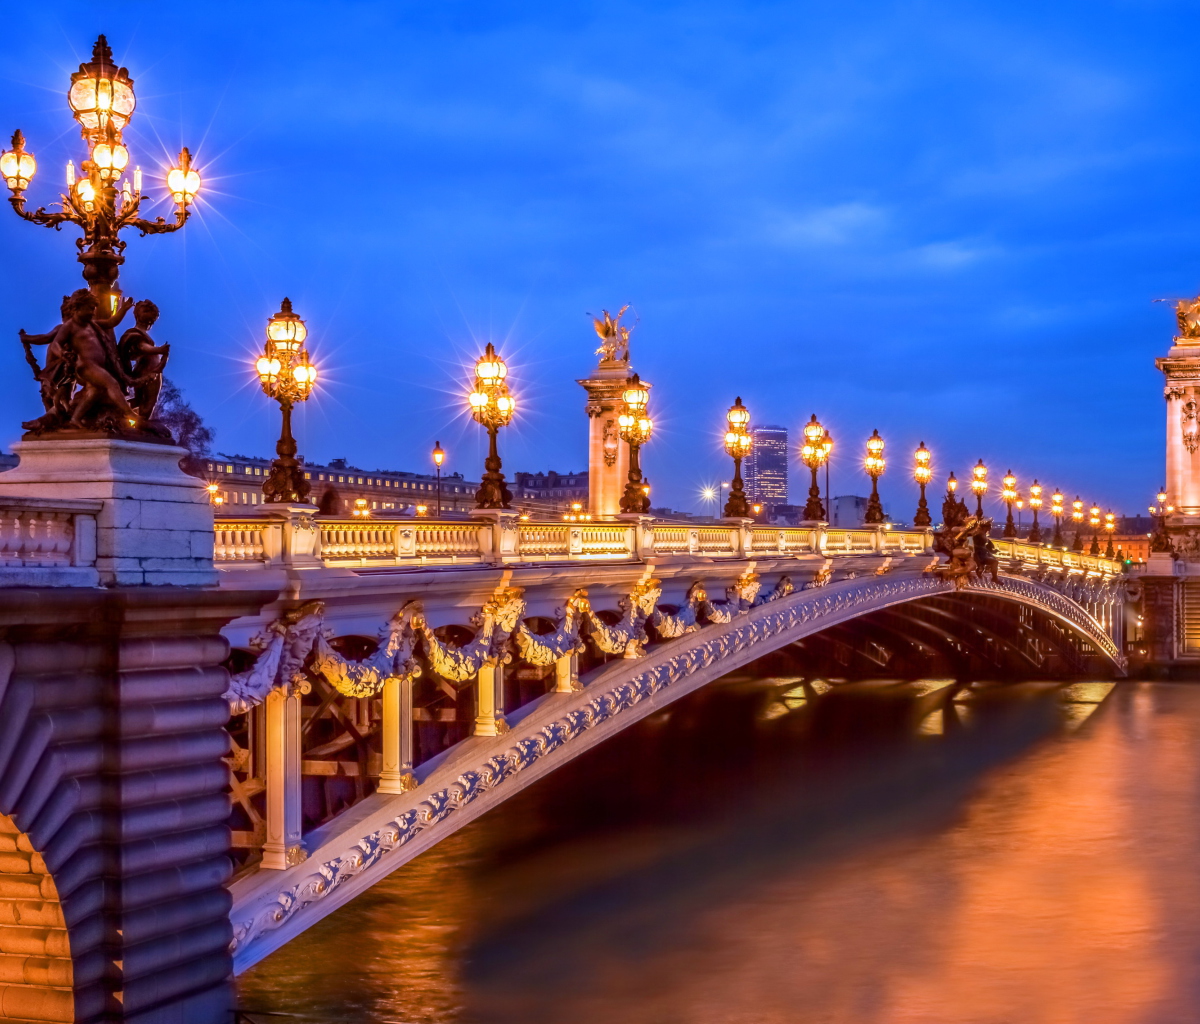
[91, 382]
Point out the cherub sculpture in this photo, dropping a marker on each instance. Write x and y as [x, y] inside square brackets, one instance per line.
[142, 360]
[614, 338]
[80, 353]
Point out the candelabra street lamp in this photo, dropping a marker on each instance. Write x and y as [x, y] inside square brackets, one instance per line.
[1160, 540]
[1009, 494]
[737, 446]
[874, 464]
[636, 428]
[1077, 519]
[286, 375]
[922, 473]
[1035, 503]
[439, 456]
[1094, 520]
[492, 407]
[1056, 510]
[1110, 524]
[953, 511]
[103, 201]
[979, 485]
[814, 454]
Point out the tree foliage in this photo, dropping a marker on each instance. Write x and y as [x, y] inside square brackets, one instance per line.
[186, 427]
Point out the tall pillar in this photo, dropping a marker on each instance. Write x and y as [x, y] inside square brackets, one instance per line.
[608, 455]
[1181, 368]
[489, 701]
[283, 847]
[397, 774]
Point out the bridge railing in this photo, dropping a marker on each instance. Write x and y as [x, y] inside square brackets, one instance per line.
[48, 541]
[254, 541]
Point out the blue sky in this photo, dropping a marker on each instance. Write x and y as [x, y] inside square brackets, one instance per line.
[947, 220]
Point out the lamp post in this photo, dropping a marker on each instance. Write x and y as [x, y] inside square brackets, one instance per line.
[1035, 503]
[1056, 510]
[492, 407]
[922, 473]
[1160, 540]
[951, 510]
[979, 485]
[1094, 520]
[102, 101]
[1110, 525]
[1020, 519]
[286, 375]
[815, 454]
[1077, 519]
[737, 446]
[636, 428]
[439, 456]
[1009, 494]
[874, 464]
[827, 449]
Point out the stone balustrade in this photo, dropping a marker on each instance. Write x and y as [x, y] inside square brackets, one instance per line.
[48, 542]
[248, 542]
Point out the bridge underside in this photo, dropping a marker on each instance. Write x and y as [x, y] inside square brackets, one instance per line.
[894, 626]
[958, 635]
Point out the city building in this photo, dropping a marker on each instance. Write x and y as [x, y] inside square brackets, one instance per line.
[551, 492]
[847, 510]
[337, 486]
[766, 470]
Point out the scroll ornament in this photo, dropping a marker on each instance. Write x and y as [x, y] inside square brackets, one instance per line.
[739, 598]
[497, 621]
[628, 636]
[546, 648]
[283, 649]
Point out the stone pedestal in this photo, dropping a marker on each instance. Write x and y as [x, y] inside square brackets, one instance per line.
[293, 536]
[608, 455]
[155, 523]
[500, 543]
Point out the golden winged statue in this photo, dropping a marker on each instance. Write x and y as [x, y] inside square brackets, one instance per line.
[614, 337]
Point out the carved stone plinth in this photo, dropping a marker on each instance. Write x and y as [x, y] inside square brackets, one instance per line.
[155, 524]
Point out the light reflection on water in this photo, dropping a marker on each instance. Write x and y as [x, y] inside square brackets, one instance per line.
[877, 854]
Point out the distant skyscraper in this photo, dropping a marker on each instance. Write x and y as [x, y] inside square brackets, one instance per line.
[767, 466]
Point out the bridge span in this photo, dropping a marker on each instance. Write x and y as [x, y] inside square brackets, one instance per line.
[413, 674]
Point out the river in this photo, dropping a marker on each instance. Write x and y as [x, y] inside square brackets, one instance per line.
[765, 851]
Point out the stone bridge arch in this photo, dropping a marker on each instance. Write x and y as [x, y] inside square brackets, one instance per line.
[385, 832]
[36, 972]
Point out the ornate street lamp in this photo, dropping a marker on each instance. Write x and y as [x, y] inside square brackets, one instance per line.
[1056, 510]
[922, 473]
[874, 464]
[439, 456]
[1009, 494]
[286, 375]
[492, 407]
[1160, 540]
[1094, 520]
[1077, 519]
[951, 510]
[737, 446]
[1035, 503]
[1110, 524]
[360, 509]
[102, 100]
[636, 428]
[815, 454]
[979, 485]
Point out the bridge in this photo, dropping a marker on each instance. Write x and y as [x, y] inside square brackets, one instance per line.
[218, 727]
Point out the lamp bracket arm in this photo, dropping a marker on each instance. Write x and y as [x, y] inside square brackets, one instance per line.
[40, 216]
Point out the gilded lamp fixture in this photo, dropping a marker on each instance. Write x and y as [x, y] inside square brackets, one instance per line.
[1057, 510]
[636, 428]
[874, 464]
[492, 407]
[1077, 519]
[286, 375]
[922, 473]
[1010, 495]
[104, 197]
[814, 453]
[1035, 503]
[1094, 522]
[979, 485]
[737, 447]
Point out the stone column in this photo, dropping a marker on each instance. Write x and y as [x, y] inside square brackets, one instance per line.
[397, 774]
[489, 701]
[283, 847]
[566, 674]
[608, 455]
[112, 737]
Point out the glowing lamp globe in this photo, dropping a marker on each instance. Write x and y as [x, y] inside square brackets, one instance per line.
[101, 94]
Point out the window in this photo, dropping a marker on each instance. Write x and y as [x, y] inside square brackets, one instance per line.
[248, 471]
[307, 476]
[405, 485]
[210, 466]
[228, 469]
[245, 498]
[341, 479]
[257, 471]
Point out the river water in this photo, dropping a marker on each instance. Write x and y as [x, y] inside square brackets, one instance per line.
[763, 851]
